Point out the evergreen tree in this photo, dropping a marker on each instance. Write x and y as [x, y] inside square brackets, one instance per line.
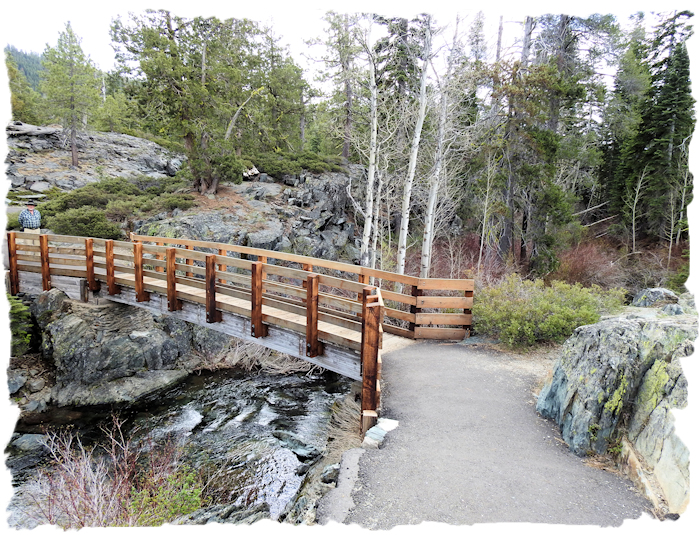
[659, 149]
[29, 64]
[24, 99]
[623, 114]
[70, 85]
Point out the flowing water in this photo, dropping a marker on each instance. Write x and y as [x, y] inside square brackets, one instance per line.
[259, 433]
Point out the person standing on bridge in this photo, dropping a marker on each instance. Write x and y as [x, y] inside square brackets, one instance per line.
[30, 219]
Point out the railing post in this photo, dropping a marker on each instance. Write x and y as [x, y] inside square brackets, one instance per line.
[222, 267]
[468, 293]
[189, 262]
[141, 294]
[416, 293]
[371, 314]
[257, 328]
[263, 259]
[12, 254]
[304, 284]
[93, 284]
[170, 283]
[159, 257]
[313, 347]
[213, 315]
[45, 262]
[362, 279]
[112, 288]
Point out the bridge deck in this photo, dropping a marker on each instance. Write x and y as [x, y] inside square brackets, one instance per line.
[351, 339]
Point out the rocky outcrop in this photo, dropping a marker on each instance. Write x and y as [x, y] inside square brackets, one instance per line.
[620, 379]
[307, 218]
[113, 353]
[39, 158]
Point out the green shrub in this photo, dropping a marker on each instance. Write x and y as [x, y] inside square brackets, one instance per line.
[277, 164]
[20, 326]
[170, 201]
[159, 501]
[676, 282]
[12, 221]
[85, 221]
[122, 209]
[524, 313]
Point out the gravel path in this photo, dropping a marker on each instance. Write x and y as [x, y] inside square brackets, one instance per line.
[470, 448]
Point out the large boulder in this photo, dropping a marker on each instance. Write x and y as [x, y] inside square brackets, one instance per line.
[619, 378]
[654, 297]
[39, 157]
[115, 353]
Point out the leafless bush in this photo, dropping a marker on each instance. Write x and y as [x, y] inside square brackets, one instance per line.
[589, 263]
[119, 484]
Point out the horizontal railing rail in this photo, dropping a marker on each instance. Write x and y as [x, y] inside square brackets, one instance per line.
[415, 307]
[418, 308]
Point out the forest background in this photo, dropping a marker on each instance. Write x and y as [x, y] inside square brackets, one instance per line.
[537, 251]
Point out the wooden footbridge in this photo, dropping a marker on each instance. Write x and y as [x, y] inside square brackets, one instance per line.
[329, 313]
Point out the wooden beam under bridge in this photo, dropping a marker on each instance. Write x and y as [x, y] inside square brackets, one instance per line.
[337, 359]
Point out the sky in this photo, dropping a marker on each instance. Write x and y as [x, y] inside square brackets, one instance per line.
[31, 26]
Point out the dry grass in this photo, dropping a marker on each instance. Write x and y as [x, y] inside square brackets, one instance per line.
[344, 429]
[250, 357]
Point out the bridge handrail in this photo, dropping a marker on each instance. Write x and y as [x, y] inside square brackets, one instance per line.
[422, 323]
[434, 311]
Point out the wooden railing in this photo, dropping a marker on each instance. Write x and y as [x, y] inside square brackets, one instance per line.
[417, 308]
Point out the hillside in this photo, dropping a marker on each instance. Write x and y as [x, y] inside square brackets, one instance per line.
[305, 212]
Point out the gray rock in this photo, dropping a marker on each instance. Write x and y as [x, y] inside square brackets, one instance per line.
[209, 342]
[29, 442]
[36, 385]
[600, 370]
[267, 238]
[226, 514]
[40, 186]
[122, 390]
[48, 304]
[173, 166]
[626, 369]
[330, 473]
[35, 405]
[16, 379]
[654, 297]
[673, 310]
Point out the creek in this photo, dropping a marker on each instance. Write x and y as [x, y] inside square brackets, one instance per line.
[260, 433]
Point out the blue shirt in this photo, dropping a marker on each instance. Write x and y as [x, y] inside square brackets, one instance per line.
[29, 220]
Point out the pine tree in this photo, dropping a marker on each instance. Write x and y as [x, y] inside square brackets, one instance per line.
[70, 85]
[659, 148]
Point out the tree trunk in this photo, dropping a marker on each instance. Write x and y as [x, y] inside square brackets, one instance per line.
[408, 185]
[371, 170]
[74, 146]
[345, 66]
[429, 227]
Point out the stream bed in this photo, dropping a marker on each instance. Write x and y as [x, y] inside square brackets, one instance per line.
[260, 433]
